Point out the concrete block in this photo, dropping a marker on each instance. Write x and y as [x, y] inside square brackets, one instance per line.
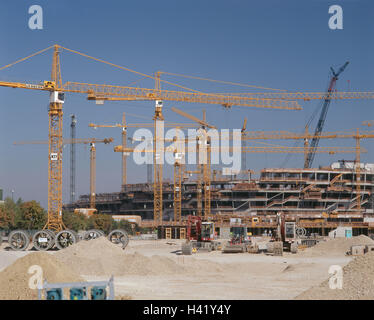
[357, 250]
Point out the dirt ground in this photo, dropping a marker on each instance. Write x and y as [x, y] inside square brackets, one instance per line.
[215, 275]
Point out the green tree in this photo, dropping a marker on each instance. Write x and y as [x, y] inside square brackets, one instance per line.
[11, 212]
[102, 222]
[32, 216]
[75, 221]
[5, 219]
[130, 228]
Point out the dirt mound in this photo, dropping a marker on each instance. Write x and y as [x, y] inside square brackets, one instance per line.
[358, 282]
[94, 257]
[100, 257]
[14, 280]
[338, 246]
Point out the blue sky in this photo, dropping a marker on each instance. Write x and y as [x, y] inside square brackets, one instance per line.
[278, 44]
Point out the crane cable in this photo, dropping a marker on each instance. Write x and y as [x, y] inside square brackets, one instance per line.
[23, 59]
[220, 81]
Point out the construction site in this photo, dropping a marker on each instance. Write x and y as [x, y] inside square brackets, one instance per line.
[195, 229]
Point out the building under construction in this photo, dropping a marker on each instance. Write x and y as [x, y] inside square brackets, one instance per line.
[318, 199]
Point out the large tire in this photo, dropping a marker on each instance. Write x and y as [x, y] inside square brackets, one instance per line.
[119, 236]
[66, 238]
[187, 249]
[43, 240]
[19, 240]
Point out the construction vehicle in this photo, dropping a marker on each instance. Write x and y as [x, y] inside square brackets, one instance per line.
[239, 242]
[200, 236]
[284, 238]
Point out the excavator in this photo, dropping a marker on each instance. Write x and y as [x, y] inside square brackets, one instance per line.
[200, 236]
[285, 234]
[239, 241]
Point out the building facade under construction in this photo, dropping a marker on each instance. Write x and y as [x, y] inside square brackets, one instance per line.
[318, 199]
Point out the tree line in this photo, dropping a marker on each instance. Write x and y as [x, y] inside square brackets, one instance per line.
[30, 215]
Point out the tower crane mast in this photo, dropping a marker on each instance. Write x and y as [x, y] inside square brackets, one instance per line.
[72, 158]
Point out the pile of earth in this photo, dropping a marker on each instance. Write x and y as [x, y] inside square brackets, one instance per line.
[100, 257]
[14, 280]
[358, 282]
[337, 246]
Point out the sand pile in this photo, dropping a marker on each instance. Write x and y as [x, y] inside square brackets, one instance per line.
[358, 282]
[14, 280]
[100, 257]
[338, 246]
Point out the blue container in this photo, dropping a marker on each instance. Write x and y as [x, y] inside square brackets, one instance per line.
[54, 294]
[98, 293]
[77, 293]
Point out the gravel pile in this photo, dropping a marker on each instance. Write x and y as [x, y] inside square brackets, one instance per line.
[14, 280]
[358, 282]
[100, 257]
[338, 246]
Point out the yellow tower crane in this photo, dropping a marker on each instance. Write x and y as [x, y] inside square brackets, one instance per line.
[368, 123]
[203, 162]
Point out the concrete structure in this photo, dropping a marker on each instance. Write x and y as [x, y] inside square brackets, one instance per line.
[320, 199]
[341, 232]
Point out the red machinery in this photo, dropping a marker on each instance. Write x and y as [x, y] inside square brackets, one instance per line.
[200, 236]
[286, 233]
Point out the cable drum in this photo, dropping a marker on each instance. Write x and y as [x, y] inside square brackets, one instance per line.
[18, 240]
[43, 240]
[66, 238]
[119, 236]
[93, 234]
